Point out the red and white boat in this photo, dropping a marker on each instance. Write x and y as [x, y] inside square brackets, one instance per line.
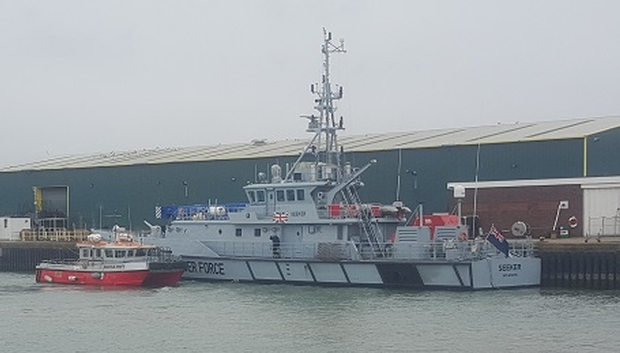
[118, 262]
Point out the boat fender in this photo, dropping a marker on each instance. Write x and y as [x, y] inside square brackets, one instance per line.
[463, 236]
[572, 222]
[97, 275]
[48, 278]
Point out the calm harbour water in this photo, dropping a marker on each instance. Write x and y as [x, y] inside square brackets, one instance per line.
[230, 317]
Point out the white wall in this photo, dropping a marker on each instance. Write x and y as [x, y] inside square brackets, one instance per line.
[601, 210]
[10, 227]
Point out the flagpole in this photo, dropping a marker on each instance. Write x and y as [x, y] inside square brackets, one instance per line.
[475, 219]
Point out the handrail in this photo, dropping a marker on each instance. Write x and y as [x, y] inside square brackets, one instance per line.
[447, 250]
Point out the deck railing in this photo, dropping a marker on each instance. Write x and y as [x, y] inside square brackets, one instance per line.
[404, 251]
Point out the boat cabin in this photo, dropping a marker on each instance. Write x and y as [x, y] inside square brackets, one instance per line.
[118, 253]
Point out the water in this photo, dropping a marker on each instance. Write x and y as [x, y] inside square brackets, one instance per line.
[229, 317]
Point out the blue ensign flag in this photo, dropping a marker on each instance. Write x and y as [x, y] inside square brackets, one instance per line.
[497, 239]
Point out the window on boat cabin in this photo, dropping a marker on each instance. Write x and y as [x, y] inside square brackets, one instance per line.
[140, 252]
[238, 232]
[130, 253]
[279, 195]
[97, 254]
[152, 252]
[251, 196]
[257, 232]
[297, 176]
[109, 253]
[260, 196]
[301, 195]
[119, 253]
[290, 195]
[85, 253]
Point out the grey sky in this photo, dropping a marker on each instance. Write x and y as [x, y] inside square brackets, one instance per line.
[98, 76]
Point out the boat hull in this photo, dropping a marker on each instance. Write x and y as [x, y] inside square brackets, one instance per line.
[465, 275]
[143, 278]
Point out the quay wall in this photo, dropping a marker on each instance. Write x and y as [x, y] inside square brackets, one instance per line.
[592, 265]
[18, 256]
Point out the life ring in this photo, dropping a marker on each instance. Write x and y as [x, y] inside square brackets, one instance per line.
[463, 236]
[572, 222]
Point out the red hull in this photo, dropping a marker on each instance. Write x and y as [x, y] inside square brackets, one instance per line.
[110, 278]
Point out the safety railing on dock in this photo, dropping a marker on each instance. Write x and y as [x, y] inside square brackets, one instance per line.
[60, 235]
[603, 226]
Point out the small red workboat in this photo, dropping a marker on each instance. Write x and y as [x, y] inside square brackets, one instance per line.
[118, 262]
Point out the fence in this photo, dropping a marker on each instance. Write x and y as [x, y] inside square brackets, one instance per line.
[603, 226]
[54, 235]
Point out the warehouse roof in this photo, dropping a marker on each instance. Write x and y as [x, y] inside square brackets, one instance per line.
[491, 134]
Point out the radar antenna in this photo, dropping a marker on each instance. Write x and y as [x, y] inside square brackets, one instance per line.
[325, 126]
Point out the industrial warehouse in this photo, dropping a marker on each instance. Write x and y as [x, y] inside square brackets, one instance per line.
[555, 178]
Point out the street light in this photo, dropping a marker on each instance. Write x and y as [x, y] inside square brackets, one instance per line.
[185, 187]
[414, 174]
[415, 178]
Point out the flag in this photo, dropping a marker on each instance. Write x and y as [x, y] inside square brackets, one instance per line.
[497, 239]
[280, 217]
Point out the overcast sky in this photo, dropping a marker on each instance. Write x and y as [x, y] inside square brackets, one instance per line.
[79, 77]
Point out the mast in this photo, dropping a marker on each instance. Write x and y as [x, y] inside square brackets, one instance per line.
[325, 126]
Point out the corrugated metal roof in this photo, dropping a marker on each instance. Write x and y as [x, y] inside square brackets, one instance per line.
[500, 133]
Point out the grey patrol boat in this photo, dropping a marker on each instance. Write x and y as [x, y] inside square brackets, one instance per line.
[307, 225]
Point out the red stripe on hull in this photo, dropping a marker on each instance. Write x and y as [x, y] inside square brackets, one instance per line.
[128, 278]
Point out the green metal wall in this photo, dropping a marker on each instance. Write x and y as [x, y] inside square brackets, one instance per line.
[603, 149]
[435, 167]
[134, 191]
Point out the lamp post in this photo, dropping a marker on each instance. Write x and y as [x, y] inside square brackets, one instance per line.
[414, 174]
[185, 187]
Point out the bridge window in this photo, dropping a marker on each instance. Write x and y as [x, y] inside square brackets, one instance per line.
[301, 195]
[257, 232]
[280, 195]
[251, 196]
[290, 195]
[260, 196]
[238, 232]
